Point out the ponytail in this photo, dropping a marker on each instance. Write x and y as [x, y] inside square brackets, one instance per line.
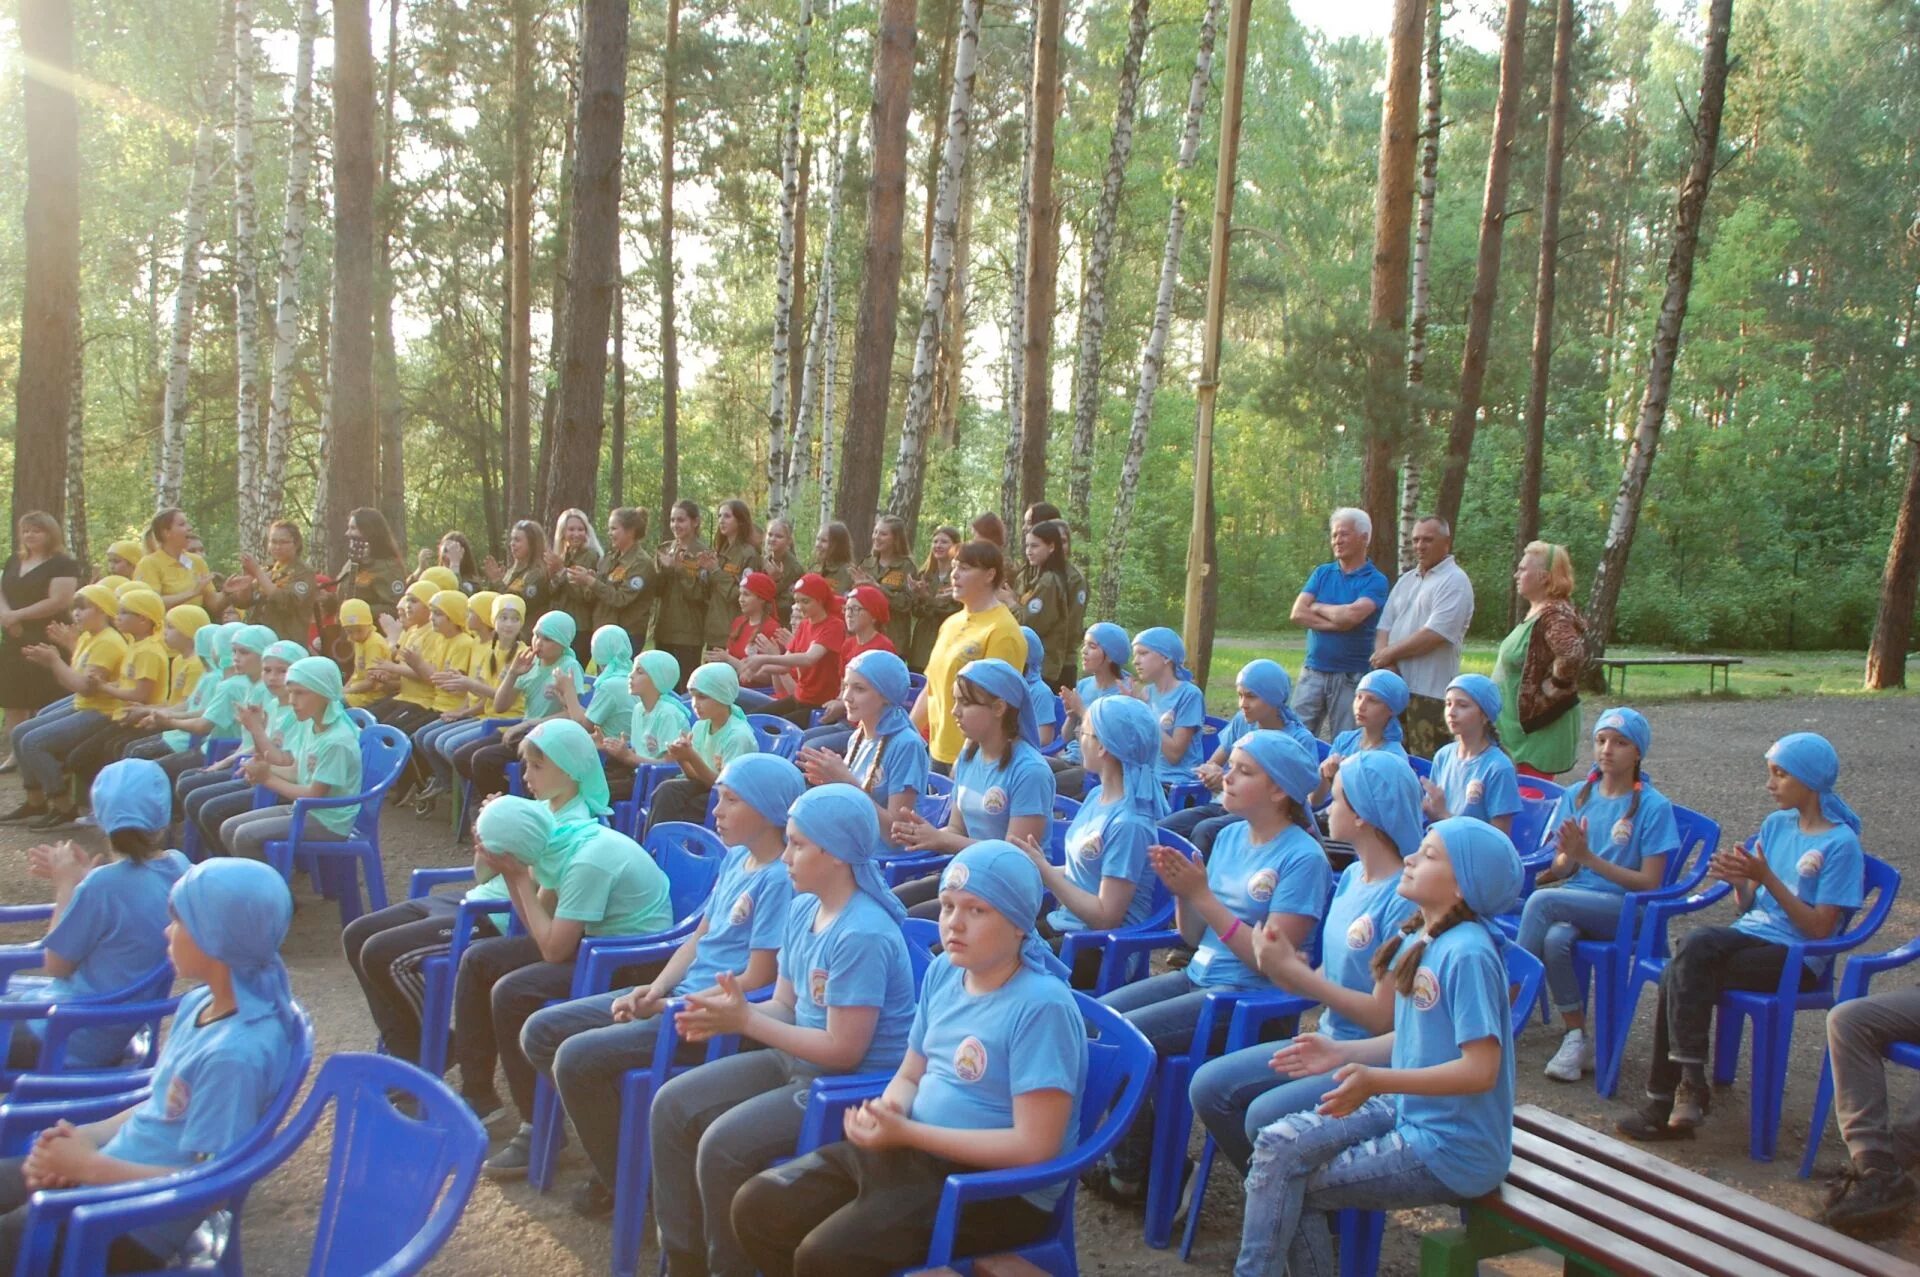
[1593, 778]
[1404, 972]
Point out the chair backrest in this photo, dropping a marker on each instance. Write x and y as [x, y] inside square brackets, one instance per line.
[1882, 885]
[923, 944]
[1524, 972]
[1530, 824]
[1119, 1066]
[691, 855]
[1535, 787]
[916, 683]
[938, 784]
[776, 735]
[383, 753]
[1422, 767]
[1064, 808]
[1322, 750]
[1699, 837]
[1210, 735]
[361, 717]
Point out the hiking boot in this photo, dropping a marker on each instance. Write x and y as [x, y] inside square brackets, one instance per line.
[1690, 1105]
[1574, 1058]
[514, 1157]
[593, 1199]
[1867, 1200]
[1650, 1124]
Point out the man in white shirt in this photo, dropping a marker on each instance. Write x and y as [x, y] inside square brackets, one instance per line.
[1421, 631]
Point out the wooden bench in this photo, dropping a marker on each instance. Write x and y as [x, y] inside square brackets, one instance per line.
[1723, 664]
[1608, 1207]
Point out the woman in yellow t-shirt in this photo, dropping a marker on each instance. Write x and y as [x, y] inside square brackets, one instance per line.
[42, 743]
[175, 573]
[983, 627]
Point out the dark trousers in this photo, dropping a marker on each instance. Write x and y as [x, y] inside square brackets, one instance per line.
[501, 983]
[487, 767]
[1069, 779]
[1708, 963]
[384, 949]
[124, 1256]
[678, 799]
[691, 657]
[103, 747]
[842, 1211]
[797, 712]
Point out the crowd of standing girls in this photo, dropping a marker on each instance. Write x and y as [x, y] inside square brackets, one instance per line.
[580, 672]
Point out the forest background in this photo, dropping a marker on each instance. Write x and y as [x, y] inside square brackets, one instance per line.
[1766, 521]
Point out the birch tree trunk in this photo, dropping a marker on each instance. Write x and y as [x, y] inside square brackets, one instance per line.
[246, 288]
[186, 295]
[293, 245]
[1043, 257]
[317, 547]
[783, 271]
[1153, 355]
[910, 465]
[1093, 310]
[518, 503]
[1608, 578]
[819, 339]
[1410, 457]
[1017, 298]
[1486, 267]
[947, 379]
[829, 378]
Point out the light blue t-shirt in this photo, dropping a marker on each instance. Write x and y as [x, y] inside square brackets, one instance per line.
[1108, 840]
[211, 1085]
[1614, 838]
[885, 766]
[859, 960]
[1348, 743]
[747, 911]
[1363, 914]
[1459, 996]
[1090, 691]
[1483, 786]
[990, 794]
[983, 1049]
[1046, 704]
[1238, 726]
[1184, 706]
[1288, 874]
[115, 931]
[1826, 868]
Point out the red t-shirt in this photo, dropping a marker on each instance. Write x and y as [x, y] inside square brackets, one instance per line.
[819, 683]
[744, 633]
[878, 643]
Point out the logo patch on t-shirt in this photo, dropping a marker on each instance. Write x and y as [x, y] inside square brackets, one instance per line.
[1811, 862]
[1475, 791]
[970, 1059]
[817, 986]
[1033, 607]
[1261, 884]
[995, 801]
[1360, 932]
[1090, 848]
[742, 909]
[1426, 989]
[955, 879]
[1623, 830]
[1166, 721]
[179, 1095]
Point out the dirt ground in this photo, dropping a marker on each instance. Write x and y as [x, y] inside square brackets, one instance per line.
[1707, 755]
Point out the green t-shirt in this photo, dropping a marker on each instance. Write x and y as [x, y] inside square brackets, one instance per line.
[650, 731]
[1554, 747]
[613, 886]
[330, 757]
[611, 709]
[719, 748]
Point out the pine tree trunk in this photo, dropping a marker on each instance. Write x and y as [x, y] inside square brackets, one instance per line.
[77, 445]
[780, 370]
[293, 246]
[593, 264]
[186, 295]
[1608, 578]
[1535, 423]
[910, 465]
[1893, 625]
[617, 446]
[1387, 295]
[519, 399]
[1093, 310]
[669, 333]
[1153, 355]
[318, 549]
[246, 289]
[1043, 258]
[354, 455]
[859, 485]
[1414, 444]
[562, 310]
[386, 365]
[1486, 268]
[819, 338]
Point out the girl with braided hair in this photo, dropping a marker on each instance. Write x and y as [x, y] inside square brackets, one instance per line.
[885, 759]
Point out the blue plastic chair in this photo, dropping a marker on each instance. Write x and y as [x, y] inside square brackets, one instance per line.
[383, 756]
[1059, 741]
[397, 1184]
[28, 957]
[776, 735]
[437, 970]
[1535, 787]
[916, 683]
[1422, 767]
[1772, 1013]
[1119, 1064]
[1125, 951]
[1853, 984]
[629, 813]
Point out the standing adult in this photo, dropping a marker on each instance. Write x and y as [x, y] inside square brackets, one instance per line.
[174, 571]
[280, 594]
[525, 572]
[1539, 665]
[680, 624]
[735, 553]
[618, 584]
[36, 587]
[373, 572]
[982, 627]
[1339, 607]
[574, 545]
[1421, 631]
[783, 565]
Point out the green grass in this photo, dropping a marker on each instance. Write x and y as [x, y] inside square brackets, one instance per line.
[1760, 674]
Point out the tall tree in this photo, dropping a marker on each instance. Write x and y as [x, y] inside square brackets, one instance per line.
[617, 445]
[1043, 257]
[820, 337]
[353, 459]
[859, 488]
[186, 295]
[519, 396]
[1893, 623]
[1604, 597]
[1387, 297]
[594, 263]
[77, 446]
[293, 245]
[669, 333]
[1540, 367]
[1410, 457]
[1093, 310]
[910, 466]
[245, 259]
[386, 356]
[1016, 393]
[1486, 266]
[1153, 355]
[780, 370]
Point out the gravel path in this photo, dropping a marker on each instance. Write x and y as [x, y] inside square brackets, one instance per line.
[1707, 756]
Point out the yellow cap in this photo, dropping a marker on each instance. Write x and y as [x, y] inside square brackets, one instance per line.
[453, 604]
[507, 603]
[188, 618]
[355, 612]
[480, 606]
[129, 551]
[442, 577]
[144, 602]
[423, 590]
[112, 580]
[102, 597]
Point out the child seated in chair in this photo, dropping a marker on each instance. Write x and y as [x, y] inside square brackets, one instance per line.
[224, 1060]
[322, 749]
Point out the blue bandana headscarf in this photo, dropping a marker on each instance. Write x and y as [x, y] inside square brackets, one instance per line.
[524, 828]
[1484, 692]
[1811, 760]
[1486, 868]
[887, 674]
[767, 783]
[1166, 643]
[1630, 723]
[1384, 792]
[1269, 681]
[237, 911]
[1127, 729]
[567, 745]
[322, 675]
[1036, 651]
[1114, 642]
[997, 678]
[1285, 763]
[134, 793]
[1392, 691]
[840, 820]
[1001, 874]
[719, 682]
[285, 650]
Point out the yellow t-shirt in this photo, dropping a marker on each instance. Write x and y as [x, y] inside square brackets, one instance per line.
[146, 659]
[490, 663]
[165, 575]
[432, 646]
[374, 650]
[106, 650]
[456, 654]
[965, 636]
[185, 676]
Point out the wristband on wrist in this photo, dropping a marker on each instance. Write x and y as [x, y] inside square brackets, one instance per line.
[1228, 933]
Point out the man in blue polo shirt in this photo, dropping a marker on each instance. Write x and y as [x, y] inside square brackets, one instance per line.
[1339, 607]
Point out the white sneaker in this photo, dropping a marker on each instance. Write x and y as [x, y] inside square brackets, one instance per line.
[1573, 1059]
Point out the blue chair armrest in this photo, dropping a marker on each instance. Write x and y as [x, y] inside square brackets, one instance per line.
[829, 1099]
[20, 1121]
[67, 1018]
[26, 913]
[422, 881]
[30, 1087]
[1653, 934]
[1250, 1015]
[94, 1216]
[20, 957]
[465, 915]
[1860, 971]
[301, 806]
[600, 959]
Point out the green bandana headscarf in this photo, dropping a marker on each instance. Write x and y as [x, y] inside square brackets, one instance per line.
[567, 744]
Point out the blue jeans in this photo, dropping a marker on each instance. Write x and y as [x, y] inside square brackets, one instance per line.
[1324, 701]
[1549, 925]
[1186, 821]
[1164, 1008]
[1235, 1095]
[1306, 1166]
[436, 742]
[42, 743]
[833, 736]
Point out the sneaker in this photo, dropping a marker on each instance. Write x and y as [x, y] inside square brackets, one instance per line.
[487, 1108]
[423, 804]
[593, 1199]
[25, 811]
[514, 1157]
[1650, 1124]
[1690, 1105]
[1868, 1199]
[51, 818]
[1573, 1059]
